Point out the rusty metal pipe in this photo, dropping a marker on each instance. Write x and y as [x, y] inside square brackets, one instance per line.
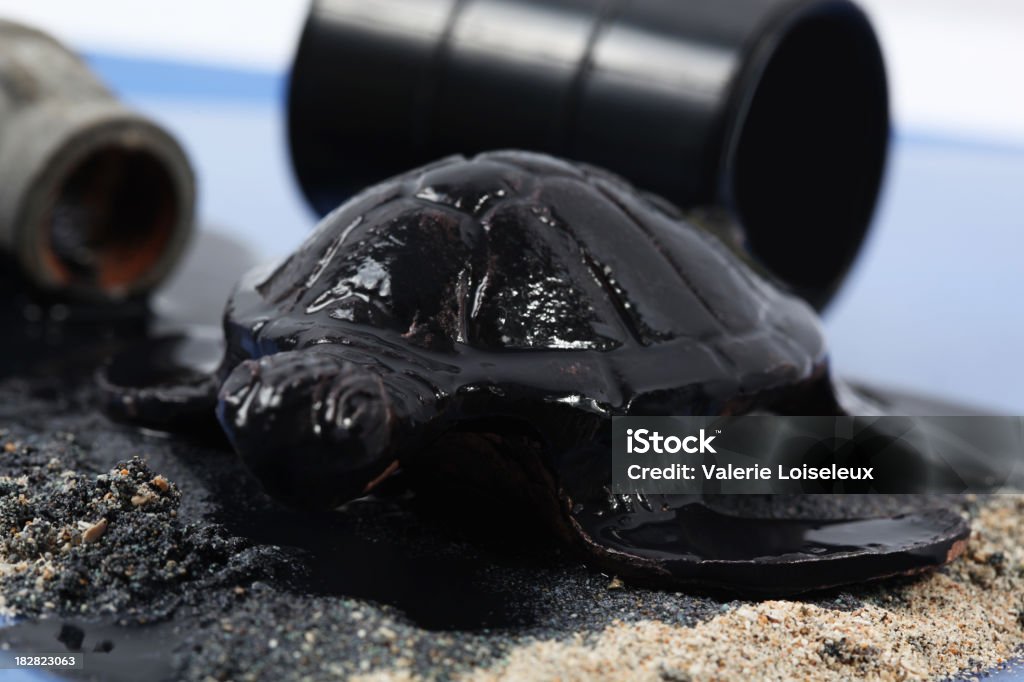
[96, 200]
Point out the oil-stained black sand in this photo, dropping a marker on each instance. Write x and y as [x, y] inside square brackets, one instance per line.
[200, 565]
[197, 575]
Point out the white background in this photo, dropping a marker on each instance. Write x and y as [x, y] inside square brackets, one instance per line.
[957, 66]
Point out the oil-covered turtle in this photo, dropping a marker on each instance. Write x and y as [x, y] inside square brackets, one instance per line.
[479, 322]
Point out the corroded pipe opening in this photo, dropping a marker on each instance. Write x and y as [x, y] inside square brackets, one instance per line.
[820, 109]
[111, 221]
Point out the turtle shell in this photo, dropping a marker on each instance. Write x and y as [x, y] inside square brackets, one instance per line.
[513, 253]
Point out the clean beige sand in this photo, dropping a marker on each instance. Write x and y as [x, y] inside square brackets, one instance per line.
[967, 616]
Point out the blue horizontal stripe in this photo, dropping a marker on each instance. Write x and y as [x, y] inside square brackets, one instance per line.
[958, 141]
[132, 76]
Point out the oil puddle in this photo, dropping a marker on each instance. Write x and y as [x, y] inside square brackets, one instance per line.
[109, 652]
[47, 336]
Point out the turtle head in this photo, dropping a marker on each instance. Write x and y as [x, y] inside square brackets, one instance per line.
[315, 429]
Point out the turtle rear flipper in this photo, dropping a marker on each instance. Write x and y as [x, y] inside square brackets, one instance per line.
[676, 540]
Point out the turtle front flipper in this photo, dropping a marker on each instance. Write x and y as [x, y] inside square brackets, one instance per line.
[166, 384]
[678, 540]
[317, 429]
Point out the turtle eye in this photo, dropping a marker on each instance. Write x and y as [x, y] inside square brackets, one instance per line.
[354, 409]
